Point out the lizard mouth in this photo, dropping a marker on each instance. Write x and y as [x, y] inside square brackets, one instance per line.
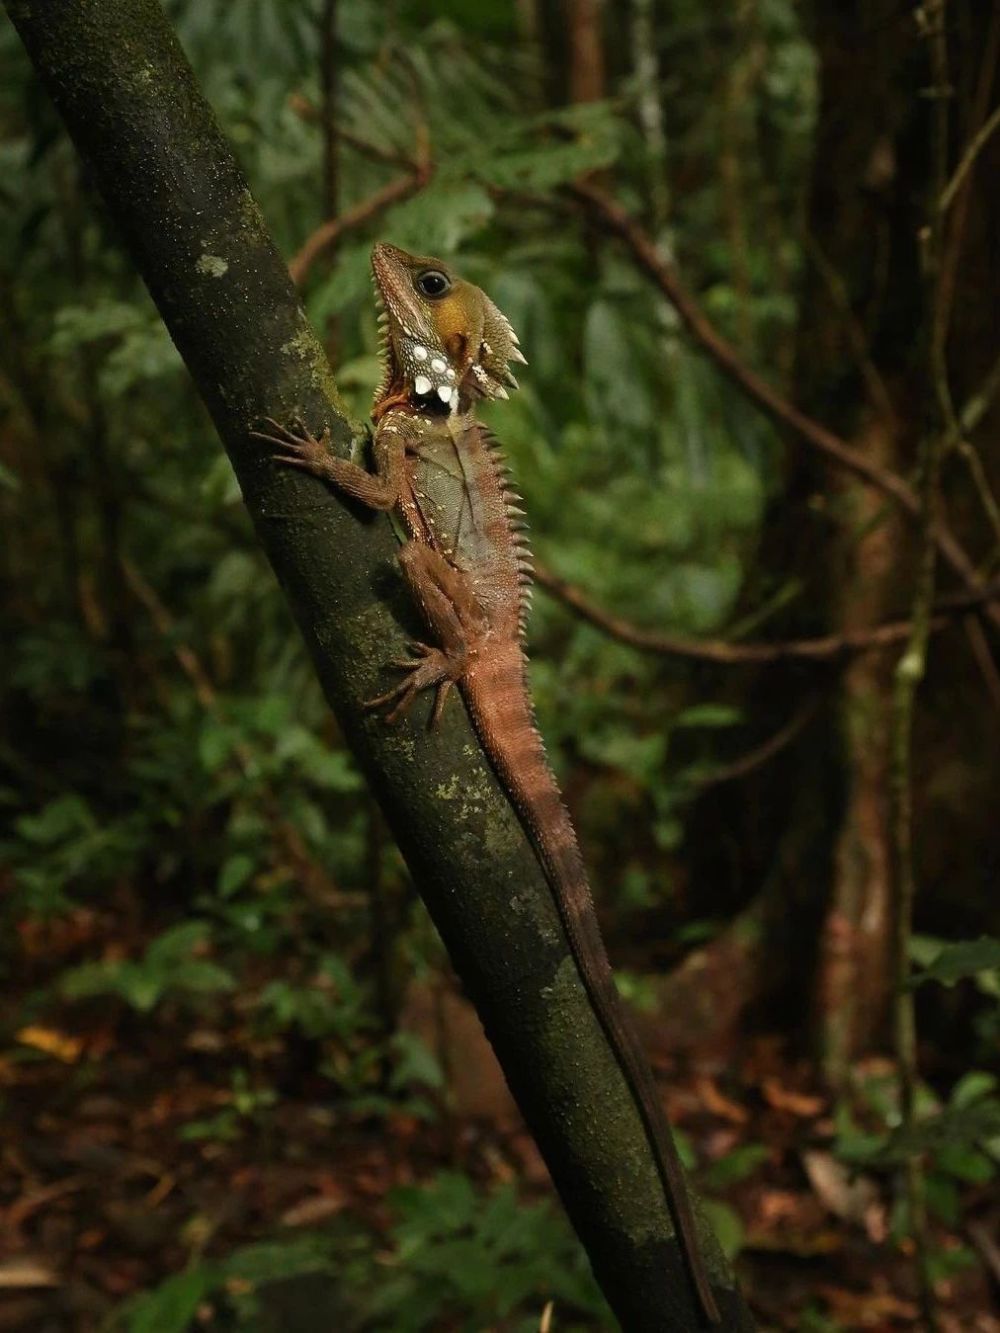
[386, 351]
[399, 312]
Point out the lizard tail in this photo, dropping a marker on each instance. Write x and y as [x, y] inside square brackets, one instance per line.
[498, 701]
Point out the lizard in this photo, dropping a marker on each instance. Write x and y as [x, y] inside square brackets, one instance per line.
[443, 477]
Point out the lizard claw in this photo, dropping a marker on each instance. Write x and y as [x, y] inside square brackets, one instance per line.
[443, 689]
[430, 668]
[296, 446]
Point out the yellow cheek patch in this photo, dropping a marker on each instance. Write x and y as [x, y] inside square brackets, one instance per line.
[450, 317]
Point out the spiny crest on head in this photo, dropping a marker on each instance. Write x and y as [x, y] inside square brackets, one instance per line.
[443, 339]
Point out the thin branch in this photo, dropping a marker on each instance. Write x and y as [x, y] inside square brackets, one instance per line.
[981, 483]
[329, 73]
[827, 648]
[981, 1236]
[318, 884]
[617, 221]
[762, 754]
[912, 664]
[390, 156]
[981, 401]
[976, 146]
[983, 656]
[969, 418]
[328, 233]
[954, 235]
[308, 112]
[855, 333]
[187, 659]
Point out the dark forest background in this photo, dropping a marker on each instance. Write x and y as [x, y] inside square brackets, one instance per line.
[750, 249]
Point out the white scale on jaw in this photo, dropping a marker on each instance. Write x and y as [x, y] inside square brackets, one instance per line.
[442, 373]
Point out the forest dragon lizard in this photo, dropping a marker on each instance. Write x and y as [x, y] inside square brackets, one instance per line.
[466, 562]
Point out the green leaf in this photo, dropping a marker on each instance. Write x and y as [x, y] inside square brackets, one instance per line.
[965, 958]
[942, 1198]
[177, 943]
[415, 1063]
[726, 1224]
[78, 325]
[215, 745]
[235, 872]
[736, 1166]
[174, 1304]
[202, 977]
[62, 818]
[80, 983]
[964, 1163]
[441, 217]
[709, 715]
[275, 1261]
[972, 1087]
[140, 986]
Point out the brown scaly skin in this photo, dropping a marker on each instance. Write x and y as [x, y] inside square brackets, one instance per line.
[468, 568]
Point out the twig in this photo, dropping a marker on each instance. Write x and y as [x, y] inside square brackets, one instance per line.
[983, 658]
[187, 658]
[320, 886]
[976, 146]
[310, 113]
[981, 401]
[968, 419]
[329, 67]
[989, 1251]
[970, 456]
[764, 753]
[390, 156]
[856, 337]
[911, 668]
[617, 221]
[328, 233]
[954, 236]
[827, 648]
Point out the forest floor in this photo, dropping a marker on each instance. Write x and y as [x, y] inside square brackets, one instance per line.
[137, 1145]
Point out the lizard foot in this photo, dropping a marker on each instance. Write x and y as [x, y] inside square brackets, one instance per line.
[297, 446]
[431, 667]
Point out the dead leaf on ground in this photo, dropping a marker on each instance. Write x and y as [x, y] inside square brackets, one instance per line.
[21, 1209]
[310, 1211]
[718, 1104]
[52, 1042]
[848, 1197]
[867, 1309]
[797, 1103]
[24, 1270]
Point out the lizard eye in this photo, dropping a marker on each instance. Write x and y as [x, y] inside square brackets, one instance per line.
[432, 282]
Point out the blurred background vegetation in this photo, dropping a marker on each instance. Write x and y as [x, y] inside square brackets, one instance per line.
[240, 1087]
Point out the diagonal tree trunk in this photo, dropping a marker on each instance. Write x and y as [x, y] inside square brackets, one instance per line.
[172, 187]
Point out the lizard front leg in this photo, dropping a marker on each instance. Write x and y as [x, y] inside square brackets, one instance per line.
[296, 446]
[455, 619]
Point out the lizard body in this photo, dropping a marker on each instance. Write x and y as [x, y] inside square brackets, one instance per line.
[467, 564]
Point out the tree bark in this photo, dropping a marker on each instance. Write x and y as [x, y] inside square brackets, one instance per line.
[185, 213]
[855, 341]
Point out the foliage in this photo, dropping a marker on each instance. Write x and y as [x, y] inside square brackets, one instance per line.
[959, 1141]
[476, 1259]
[168, 967]
[459, 1259]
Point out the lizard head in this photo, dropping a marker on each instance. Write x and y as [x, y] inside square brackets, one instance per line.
[445, 342]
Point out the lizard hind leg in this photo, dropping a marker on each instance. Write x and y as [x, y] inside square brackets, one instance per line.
[428, 667]
[452, 614]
